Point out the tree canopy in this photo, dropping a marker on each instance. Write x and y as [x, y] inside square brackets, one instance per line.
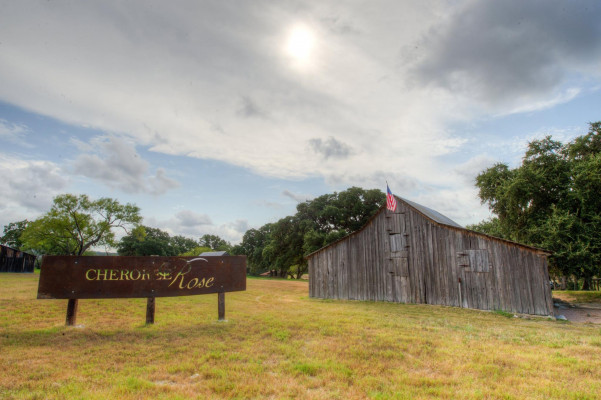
[76, 223]
[147, 241]
[552, 200]
[283, 245]
[12, 234]
[214, 242]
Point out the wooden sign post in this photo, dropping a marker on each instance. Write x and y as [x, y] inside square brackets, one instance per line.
[98, 277]
[150, 310]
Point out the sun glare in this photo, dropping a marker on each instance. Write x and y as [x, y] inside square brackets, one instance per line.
[300, 44]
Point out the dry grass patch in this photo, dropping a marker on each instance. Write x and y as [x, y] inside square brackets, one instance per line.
[278, 343]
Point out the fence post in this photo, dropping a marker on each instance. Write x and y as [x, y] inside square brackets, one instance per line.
[221, 305]
[71, 312]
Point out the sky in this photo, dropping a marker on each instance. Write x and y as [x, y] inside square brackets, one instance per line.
[217, 117]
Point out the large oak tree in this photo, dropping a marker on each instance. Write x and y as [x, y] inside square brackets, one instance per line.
[75, 224]
[147, 241]
[12, 234]
[552, 200]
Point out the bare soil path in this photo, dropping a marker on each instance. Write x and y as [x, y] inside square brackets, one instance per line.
[578, 312]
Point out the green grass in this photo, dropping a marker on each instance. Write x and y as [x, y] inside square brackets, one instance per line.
[279, 343]
[503, 313]
[578, 296]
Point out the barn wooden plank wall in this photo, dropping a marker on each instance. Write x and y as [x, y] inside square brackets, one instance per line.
[12, 260]
[406, 257]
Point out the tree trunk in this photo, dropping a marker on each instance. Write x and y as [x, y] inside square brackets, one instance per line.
[301, 271]
[586, 285]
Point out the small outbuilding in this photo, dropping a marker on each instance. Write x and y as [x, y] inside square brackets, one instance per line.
[13, 260]
[214, 254]
[417, 255]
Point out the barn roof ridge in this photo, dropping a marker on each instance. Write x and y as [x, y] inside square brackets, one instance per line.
[433, 216]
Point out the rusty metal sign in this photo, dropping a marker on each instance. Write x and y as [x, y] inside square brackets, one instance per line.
[100, 277]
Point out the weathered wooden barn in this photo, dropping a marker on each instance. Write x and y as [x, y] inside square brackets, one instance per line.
[417, 255]
[13, 260]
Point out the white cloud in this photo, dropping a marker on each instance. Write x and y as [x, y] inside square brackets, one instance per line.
[116, 77]
[14, 133]
[116, 163]
[191, 224]
[28, 187]
[472, 167]
[545, 103]
[232, 231]
[191, 219]
[160, 183]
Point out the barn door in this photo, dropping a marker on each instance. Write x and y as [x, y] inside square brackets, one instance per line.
[398, 259]
[475, 274]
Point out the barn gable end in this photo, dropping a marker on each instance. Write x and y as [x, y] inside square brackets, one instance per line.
[416, 255]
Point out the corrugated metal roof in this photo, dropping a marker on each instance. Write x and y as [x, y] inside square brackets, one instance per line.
[432, 214]
[441, 219]
[214, 254]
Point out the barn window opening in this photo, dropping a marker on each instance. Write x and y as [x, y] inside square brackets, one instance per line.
[398, 245]
[395, 243]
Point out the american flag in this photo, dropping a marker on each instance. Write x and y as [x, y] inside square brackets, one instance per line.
[390, 200]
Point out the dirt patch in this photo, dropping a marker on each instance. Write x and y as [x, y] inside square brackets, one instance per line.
[578, 312]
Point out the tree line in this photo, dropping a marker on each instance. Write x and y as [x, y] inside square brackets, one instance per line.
[76, 224]
[282, 246]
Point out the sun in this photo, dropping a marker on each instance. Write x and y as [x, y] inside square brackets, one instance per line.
[300, 44]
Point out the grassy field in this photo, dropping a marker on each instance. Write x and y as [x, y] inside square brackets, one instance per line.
[278, 343]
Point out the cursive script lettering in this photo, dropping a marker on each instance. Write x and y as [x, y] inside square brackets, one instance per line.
[194, 283]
